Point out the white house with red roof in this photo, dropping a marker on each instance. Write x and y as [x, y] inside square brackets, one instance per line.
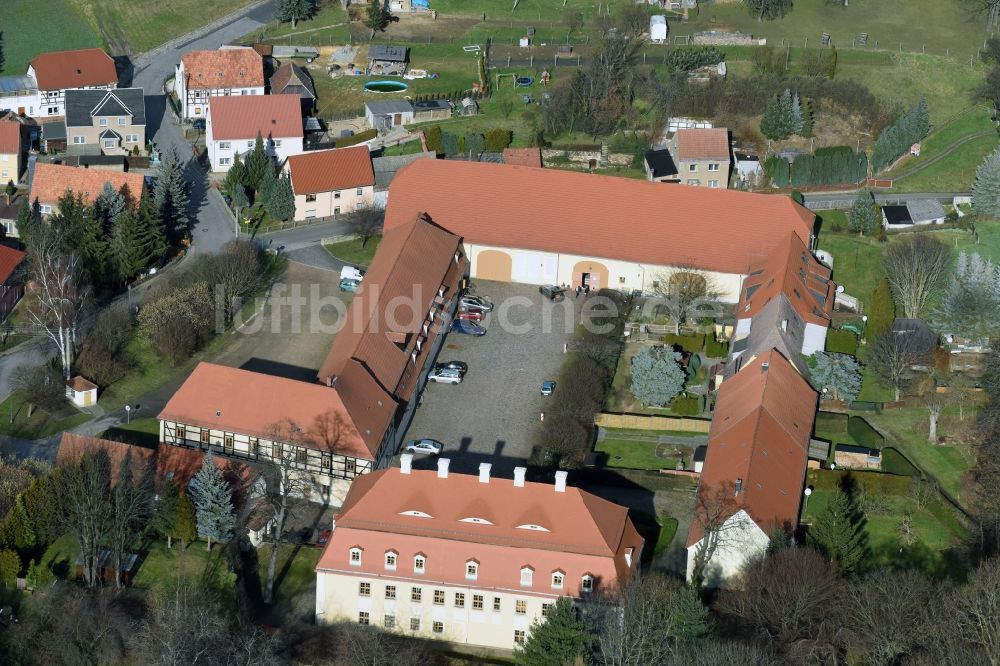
[234, 123]
[465, 558]
[702, 156]
[327, 183]
[58, 71]
[201, 75]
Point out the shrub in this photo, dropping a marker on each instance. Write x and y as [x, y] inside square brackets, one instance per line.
[831, 422]
[894, 462]
[716, 349]
[842, 341]
[686, 59]
[497, 139]
[432, 136]
[10, 566]
[694, 364]
[862, 433]
[688, 405]
[688, 343]
[360, 137]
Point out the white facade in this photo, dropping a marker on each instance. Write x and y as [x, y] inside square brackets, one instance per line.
[334, 202]
[222, 153]
[51, 103]
[194, 102]
[741, 539]
[536, 267]
[21, 102]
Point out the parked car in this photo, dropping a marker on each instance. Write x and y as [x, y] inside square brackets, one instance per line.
[467, 327]
[475, 301]
[470, 315]
[431, 447]
[548, 387]
[348, 284]
[445, 376]
[198, 124]
[552, 292]
[461, 366]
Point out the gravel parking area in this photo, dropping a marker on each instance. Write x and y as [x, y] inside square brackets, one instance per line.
[492, 415]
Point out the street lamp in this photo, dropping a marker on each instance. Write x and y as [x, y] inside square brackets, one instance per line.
[128, 414]
[129, 291]
[807, 492]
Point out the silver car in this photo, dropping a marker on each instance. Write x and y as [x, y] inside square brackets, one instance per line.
[445, 376]
[468, 301]
[431, 447]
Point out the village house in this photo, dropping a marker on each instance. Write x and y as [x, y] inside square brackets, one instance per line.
[748, 167]
[332, 182]
[913, 212]
[351, 421]
[19, 94]
[58, 71]
[474, 560]
[11, 279]
[702, 156]
[383, 115]
[13, 150]
[754, 470]
[573, 235]
[100, 122]
[201, 75]
[290, 79]
[786, 303]
[234, 123]
[51, 181]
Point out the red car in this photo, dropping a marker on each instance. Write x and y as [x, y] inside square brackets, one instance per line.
[470, 316]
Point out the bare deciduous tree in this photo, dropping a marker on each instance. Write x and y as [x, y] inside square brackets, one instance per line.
[235, 274]
[934, 404]
[366, 223]
[686, 293]
[41, 387]
[715, 520]
[975, 609]
[916, 267]
[131, 511]
[85, 508]
[58, 294]
[891, 356]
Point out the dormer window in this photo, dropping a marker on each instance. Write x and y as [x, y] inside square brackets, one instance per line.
[475, 519]
[527, 576]
[415, 513]
[587, 583]
[419, 564]
[628, 554]
[557, 580]
[390, 560]
[471, 570]
[532, 526]
[355, 557]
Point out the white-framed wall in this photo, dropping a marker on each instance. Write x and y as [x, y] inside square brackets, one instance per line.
[222, 153]
[194, 99]
[334, 202]
[536, 267]
[339, 598]
[52, 103]
[742, 540]
[26, 100]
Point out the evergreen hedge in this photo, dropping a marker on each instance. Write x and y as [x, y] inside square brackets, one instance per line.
[842, 341]
[862, 433]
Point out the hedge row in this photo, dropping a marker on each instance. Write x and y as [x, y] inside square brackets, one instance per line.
[842, 341]
[828, 166]
[360, 137]
[894, 462]
[862, 433]
[688, 405]
[831, 423]
[688, 343]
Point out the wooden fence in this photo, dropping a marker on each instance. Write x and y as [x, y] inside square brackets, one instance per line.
[646, 422]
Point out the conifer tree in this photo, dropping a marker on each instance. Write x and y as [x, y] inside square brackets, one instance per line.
[186, 524]
[109, 206]
[257, 165]
[236, 177]
[29, 220]
[281, 201]
[796, 115]
[171, 195]
[986, 188]
[213, 503]
[82, 234]
[838, 532]
[882, 312]
[165, 516]
[137, 240]
[864, 215]
[266, 187]
[16, 532]
[560, 638]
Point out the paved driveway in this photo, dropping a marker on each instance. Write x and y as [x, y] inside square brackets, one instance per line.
[492, 415]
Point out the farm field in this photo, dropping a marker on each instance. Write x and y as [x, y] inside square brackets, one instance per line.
[31, 27]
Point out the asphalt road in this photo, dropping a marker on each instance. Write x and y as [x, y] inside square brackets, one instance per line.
[294, 239]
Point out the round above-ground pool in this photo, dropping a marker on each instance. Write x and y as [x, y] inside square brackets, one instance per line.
[386, 86]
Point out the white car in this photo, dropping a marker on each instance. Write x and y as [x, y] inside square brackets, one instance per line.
[470, 302]
[445, 375]
[431, 447]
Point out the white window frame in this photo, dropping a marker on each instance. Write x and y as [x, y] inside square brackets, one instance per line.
[692, 167]
[419, 564]
[354, 557]
[360, 191]
[224, 161]
[110, 143]
[132, 138]
[44, 209]
[713, 184]
[225, 145]
[121, 121]
[103, 122]
[587, 583]
[77, 140]
[558, 580]
[713, 167]
[471, 570]
[391, 560]
[527, 576]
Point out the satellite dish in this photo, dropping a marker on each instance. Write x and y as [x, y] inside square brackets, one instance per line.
[840, 288]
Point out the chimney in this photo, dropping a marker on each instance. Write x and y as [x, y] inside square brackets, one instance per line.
[405, 463]
[561, 481]
[443, 468]
[484, 472]
[519, 476]
[784, 324]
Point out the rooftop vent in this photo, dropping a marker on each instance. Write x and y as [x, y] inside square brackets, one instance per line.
[443, 468]
[561, 481]
[405, 463]
[519, 473]
[739, 486]
[484, 472]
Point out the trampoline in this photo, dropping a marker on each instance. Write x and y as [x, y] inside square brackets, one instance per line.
[523, 81]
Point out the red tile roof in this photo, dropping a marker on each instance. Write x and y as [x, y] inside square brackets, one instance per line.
[10, 259]
[244, 116]
[576, 532]
[599, 216]
[224, 68]
[328, 170]
[791, 270]
[180, 464]
[81, 383]
[531, 157]
[703, 144]
[760, 435]
[52, 180]
[412, 263]
[255, 404]
[72, 448]
[10, 137]
[82, 68]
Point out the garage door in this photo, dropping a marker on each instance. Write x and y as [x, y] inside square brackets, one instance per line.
[493, 265]
[534, 268]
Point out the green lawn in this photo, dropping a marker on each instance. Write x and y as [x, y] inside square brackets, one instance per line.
[40, 423]
[547, 10]
[352, 251]
[145, 432]
[31, 27]
[857, 261]
[633, 450]
[668, 528]
[298, 579]
[935, 526]
[327, 26]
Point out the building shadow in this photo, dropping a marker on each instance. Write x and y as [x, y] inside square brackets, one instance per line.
[278, 369]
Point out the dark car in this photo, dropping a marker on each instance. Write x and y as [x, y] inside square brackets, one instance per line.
[198, 124]
[552, 292]
[461, 366]
[467, 327]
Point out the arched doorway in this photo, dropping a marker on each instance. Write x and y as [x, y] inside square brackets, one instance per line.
[591, 274]
[493, 265]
